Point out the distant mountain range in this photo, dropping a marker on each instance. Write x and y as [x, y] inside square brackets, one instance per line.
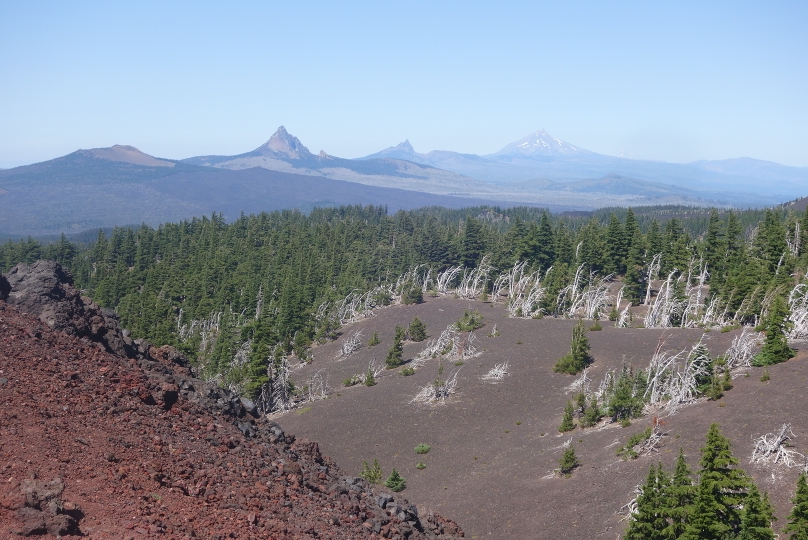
[122, 185]
[540, 157]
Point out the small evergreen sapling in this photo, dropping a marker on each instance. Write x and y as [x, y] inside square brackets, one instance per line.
[578, 357]
[568, 461]
[371, 474]
[394, 355]
[374, 340]
[567, 420]
[395, 481]
[417, 330]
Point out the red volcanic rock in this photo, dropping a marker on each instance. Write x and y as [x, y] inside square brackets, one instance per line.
[96, 444]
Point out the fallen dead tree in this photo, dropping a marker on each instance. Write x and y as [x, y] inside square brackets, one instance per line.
[497, 373]
[772, 449]
[438, 391]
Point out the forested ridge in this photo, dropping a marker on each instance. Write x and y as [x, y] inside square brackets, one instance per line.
[261, 279]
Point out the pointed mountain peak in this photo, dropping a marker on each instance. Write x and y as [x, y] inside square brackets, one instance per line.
[405, 147]
[282, 142]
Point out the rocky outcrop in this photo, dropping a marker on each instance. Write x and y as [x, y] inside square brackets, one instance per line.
[136, 435]
[130, 448]
[46, 290]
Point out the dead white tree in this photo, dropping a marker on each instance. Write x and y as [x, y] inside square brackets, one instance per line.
[630, 508]
[581, 384]
[772, 449]
[650, 445]
[793, 242]
[673, 379]
[666, 306]
[441, 345]
[497, 373]
[651, 274]
[798, 312]
[624, 315]
[474, 281]
[740, 352]
[584, 300]
[446, 279]
[317, 386]
[438, 391]
[524, 290]
[351, 344]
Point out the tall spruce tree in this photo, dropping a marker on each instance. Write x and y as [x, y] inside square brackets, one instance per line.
[650, 523]
[757, 517]
[775, 347]
[720, 480]
[681, 495]
[797, 526]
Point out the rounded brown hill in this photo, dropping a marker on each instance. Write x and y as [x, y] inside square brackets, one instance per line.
[98, 445]
[494, 445]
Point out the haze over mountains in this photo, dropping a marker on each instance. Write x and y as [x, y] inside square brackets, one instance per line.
[122, 185]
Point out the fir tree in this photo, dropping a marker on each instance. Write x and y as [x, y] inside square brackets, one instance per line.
[757, 517]
[394, 355]
[704, 522]
[578, 357]
[417, 330]
[374, 340]
[798, 518]
[725, 485]
[775, 347]
[592, 415]
[649, 522]
[681, 495]
[567, 420]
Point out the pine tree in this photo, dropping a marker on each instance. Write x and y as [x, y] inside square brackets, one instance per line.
[798, 518]
[568, 461]
[757, 517]
[681, 495]
[578, 357]
[649, 522]
[394, 355]
[417, 330]
[775, 347]
[567, 420]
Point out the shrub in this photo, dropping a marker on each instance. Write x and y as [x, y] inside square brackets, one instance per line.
[421, 466]
[395, 481]
[407, 371]
[351, 381]
[469, 321]
[374, 340]
[422, 448]
[627, 450]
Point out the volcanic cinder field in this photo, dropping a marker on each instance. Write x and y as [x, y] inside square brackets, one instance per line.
[494, 445]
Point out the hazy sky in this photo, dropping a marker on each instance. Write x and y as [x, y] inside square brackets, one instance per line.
[674, 81]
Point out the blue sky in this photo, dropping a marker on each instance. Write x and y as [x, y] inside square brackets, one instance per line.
[673, 81]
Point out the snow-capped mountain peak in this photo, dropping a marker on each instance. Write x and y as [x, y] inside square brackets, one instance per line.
[540, 143]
